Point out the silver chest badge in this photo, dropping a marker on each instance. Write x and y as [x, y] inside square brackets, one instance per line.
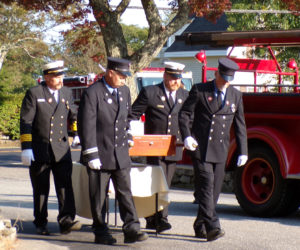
[121, 98]
[109, 100]
[179, 100]
[50, 100]
[163, 98]
[233, 108]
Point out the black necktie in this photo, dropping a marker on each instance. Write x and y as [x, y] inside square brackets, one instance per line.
[115, 95]
[171, 101]
[219, 99]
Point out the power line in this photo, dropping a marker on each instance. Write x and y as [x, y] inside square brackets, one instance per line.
[262, 11]
[229, 11]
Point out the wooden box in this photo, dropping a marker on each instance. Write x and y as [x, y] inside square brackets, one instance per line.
[153, 145]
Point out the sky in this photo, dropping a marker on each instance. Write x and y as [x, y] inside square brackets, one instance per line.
[137, 16]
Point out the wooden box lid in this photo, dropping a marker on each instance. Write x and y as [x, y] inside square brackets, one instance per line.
[153, 145]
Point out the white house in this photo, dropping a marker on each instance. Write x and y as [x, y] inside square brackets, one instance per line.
[180, 52]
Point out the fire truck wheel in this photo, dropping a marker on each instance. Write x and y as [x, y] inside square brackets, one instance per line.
[260, 188]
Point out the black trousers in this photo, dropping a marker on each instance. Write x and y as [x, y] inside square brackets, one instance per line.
[98, 184]
[208, 184]
[40, 180]
[169, 168]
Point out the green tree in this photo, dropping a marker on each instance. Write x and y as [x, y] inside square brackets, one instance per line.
[135, 37]
[261, 21]
[18, 30]
[16, 76]
[21, 53]
[266, 21]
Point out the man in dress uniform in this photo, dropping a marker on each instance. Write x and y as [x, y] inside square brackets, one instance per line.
[103, 130]
[161, 104]
[45, 111]
[216, 106]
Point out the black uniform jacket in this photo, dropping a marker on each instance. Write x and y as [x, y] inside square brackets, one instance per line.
[211, 125]
[44, 123]
[160, 118]
[103, 126]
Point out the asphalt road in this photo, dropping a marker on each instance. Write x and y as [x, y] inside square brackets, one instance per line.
[242, 231]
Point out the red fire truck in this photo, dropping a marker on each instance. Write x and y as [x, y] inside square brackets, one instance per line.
[269, 184]
[78, 83]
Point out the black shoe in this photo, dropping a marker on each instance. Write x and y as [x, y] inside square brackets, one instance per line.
[138, 236]
[105, 239]
[74, 226]
[42, 230]
[150, 225]
[201, 234]
[163, 226]
[214, 234]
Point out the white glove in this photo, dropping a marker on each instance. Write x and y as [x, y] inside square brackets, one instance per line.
[27, 157]
[95, 164]
[190, 143]
[76, 142]
[242, 159]
[130, 143]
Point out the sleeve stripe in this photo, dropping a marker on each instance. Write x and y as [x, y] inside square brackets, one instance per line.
[26, 138]
[90, 150]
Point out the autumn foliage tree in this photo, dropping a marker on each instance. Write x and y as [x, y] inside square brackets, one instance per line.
[108, 20]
